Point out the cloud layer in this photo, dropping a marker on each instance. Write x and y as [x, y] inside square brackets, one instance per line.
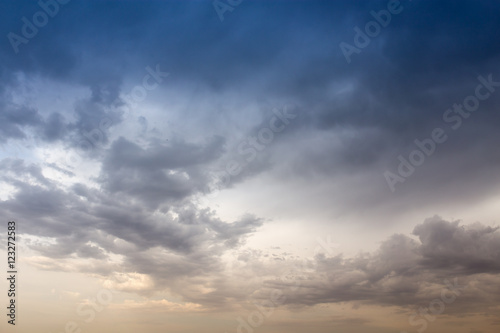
[181, 184]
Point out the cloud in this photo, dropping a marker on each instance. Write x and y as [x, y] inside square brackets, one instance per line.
[473, 249]
[406, 272]
[181, 248]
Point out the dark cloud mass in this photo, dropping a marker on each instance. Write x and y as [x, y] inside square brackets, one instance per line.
[168, 183]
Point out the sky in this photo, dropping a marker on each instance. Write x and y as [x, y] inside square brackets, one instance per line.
[251, 166]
